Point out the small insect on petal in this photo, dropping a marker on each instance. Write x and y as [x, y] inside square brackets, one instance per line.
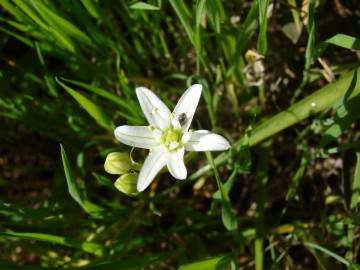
[154, 110]
[167, 137]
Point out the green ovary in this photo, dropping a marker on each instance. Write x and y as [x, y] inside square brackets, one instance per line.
[171, 136]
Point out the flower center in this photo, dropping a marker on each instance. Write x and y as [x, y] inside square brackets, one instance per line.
[171, 138]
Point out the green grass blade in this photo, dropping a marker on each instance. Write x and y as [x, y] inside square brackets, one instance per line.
[78, 195]
[199, 11]
[143, 6]
[261, 181]
[262, 40]
[329, 253]
[310, 47]
[63, 39]
[95, 112]
[131, 113]
[228, 217]
[7, 5]
[295, 181]
[128, 262]
[243, 39]
[227, 186]
[356, 184]
[22, 39]
[60, 23]
[28, 10]
[216, 14]
[91, 7]
[89, 247]
[183, 14]
[209, 264]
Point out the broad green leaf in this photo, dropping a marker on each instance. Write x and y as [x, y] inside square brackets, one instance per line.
[345, 41]
[101, 118]
[346, 114]
[143, 6]
[217, 263]
[88, 247]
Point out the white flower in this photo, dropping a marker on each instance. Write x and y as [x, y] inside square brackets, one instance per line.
[168, 136]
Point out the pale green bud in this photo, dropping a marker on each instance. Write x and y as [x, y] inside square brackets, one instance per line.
[118, 163]
[127, 183]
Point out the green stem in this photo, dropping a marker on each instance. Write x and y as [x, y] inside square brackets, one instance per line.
[261, 180]
[319, 101]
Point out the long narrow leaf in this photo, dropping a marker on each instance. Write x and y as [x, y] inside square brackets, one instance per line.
[228, 217]
[262, 40]
[89, 247]
[180, 9]
[134, 114]
[78, 195]
[95, 112]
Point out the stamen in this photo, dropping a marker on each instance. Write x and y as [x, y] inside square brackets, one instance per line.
[171, 138]
[173, 145]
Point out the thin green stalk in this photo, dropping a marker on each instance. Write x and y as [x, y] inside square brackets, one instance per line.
[323, 99]
[261, 180]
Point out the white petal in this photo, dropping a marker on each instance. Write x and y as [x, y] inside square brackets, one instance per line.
[155, 111]
[186, 137]
[154, 162]
[175, 164]
[174, 121]
[187, 104]
[204, 140]
[138, 136]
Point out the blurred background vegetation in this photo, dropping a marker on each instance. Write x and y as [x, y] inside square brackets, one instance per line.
[279, 199]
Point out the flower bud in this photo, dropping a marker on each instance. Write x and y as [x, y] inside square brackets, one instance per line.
[127, 183]
[118, 163]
